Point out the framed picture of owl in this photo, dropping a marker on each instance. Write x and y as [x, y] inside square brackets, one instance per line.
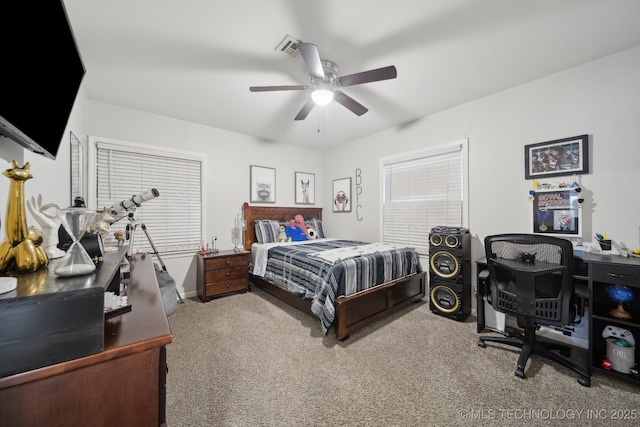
[263, 184]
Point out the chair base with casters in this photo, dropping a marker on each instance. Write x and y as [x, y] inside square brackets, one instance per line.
[530, 346]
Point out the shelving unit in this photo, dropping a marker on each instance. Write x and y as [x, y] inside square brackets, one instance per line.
[614, 270]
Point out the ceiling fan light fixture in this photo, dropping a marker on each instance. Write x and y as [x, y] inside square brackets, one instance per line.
[325, 84]
[322, 96]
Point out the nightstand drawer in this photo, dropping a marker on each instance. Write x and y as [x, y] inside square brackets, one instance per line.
[226, 262]
[620, 275]
[226, 286]
[226, 274]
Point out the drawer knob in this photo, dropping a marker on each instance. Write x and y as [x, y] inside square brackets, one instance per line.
[228, 274]
[228, 262]
[228, 285]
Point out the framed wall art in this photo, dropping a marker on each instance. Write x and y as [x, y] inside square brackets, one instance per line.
[305, 188]
[557, 212]
[263, 184]
[78, 169]
[342, 195]
[568, 156]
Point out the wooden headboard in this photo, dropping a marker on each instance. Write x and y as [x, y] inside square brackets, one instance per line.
[253, 213]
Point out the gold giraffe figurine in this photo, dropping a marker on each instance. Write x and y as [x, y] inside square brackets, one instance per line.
[22, 250]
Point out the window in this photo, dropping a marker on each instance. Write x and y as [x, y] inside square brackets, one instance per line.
[422, 190]
[173, 219]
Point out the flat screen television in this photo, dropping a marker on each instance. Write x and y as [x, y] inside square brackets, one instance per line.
[40, 74]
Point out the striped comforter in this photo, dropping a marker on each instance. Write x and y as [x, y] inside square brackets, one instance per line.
[300, 270]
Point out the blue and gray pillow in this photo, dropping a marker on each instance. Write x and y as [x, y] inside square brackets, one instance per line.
[267, 230]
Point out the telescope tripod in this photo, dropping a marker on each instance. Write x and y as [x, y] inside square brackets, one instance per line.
[131, 232]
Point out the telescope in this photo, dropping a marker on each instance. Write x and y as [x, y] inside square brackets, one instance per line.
[128, 204]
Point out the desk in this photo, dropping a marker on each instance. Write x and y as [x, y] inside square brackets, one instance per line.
[123, 385]
[592, 274]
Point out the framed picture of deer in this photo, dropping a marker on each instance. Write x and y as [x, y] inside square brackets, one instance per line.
[305, 188]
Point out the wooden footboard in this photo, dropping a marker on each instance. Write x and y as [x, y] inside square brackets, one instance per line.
[356, 311]
[363, 308]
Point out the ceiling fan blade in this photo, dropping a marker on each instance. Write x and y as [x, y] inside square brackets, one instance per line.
[349, 103]
[311, 57]
[384, 73]
[306, 109]
[274, 88]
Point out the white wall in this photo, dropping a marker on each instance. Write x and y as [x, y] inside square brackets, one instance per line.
[229, 156]
[601, 98]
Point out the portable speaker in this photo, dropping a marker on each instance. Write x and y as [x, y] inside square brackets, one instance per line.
[450, 254]
[449, 299]
[450, 272]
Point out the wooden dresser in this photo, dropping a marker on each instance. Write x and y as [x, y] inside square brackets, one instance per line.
[123, 385]
[221, 273]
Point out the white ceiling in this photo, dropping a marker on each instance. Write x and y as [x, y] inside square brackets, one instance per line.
[195, 59]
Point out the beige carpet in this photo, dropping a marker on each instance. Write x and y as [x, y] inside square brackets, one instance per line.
[252, 360]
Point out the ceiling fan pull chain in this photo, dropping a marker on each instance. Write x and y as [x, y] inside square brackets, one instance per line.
[319, 119]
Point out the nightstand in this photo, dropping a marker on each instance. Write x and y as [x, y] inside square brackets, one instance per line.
[222, 273]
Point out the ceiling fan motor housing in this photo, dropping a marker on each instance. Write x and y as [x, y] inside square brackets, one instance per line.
[329, 82]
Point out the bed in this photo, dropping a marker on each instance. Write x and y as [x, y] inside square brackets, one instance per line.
[351, 312]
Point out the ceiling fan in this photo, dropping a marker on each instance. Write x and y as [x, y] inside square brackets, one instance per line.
[325, 83]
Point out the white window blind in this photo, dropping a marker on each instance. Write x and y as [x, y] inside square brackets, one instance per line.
[421, 193]
[174, 218]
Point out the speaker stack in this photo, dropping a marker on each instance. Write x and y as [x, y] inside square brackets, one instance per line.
[450, 272]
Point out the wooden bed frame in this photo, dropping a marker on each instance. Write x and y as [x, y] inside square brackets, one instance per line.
[354, 311]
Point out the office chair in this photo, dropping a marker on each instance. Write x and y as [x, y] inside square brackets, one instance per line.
[531, 277]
